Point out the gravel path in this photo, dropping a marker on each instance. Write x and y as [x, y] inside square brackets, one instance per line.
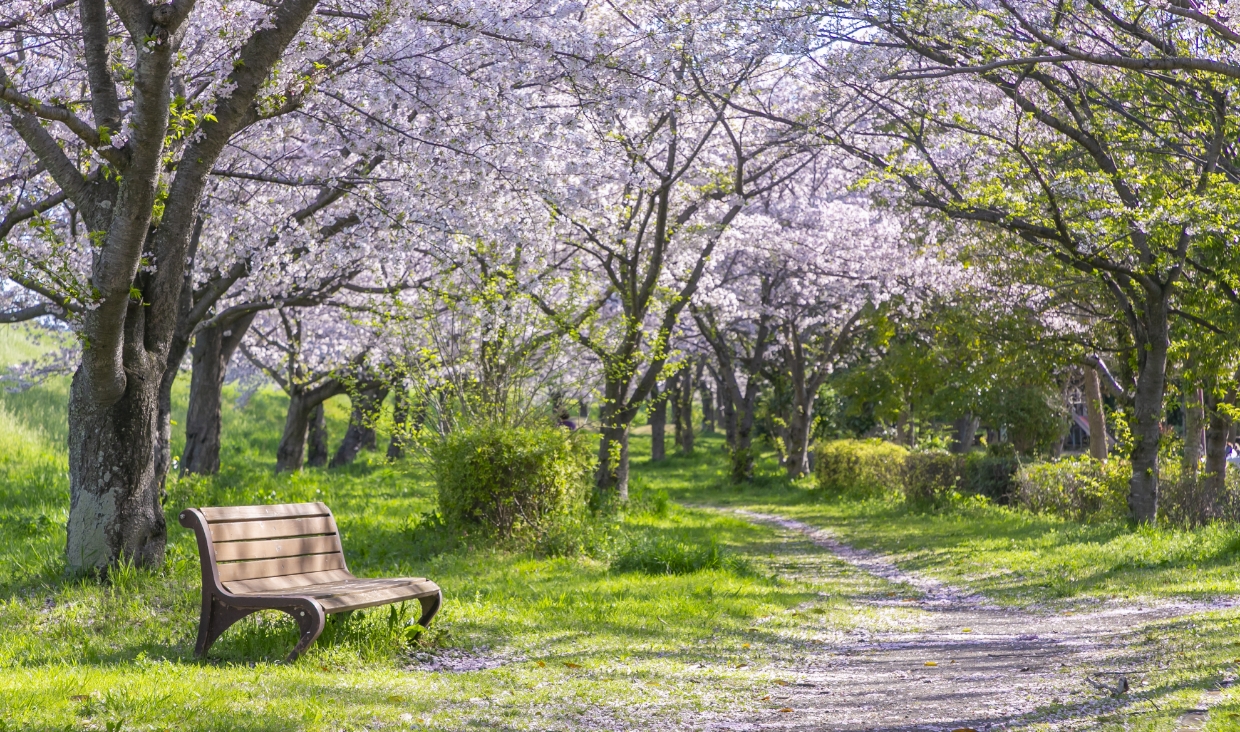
[969, 663]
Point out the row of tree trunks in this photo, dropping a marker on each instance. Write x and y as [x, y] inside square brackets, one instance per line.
[360, 435]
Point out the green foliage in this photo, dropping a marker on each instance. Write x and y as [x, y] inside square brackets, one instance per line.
[672, 555]
[859, 468]
[930, 477]
[1077, 488]
[989, 475]
[511, 483]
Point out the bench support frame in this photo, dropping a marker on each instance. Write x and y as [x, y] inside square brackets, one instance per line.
[221, 609]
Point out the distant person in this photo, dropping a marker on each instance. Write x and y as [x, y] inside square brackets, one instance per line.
[566, 421]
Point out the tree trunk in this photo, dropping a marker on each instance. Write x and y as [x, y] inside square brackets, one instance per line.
[316, 441]
[290, 454]
[212, 352]
[1214, 482]
[400, 424]
[611, 478]
[583, 408]
[800, 424]
[657, 416]
[728, 403]
[115, 510]
[361, 432]
[965, 432]
[685, 422]
[1194, 421]
[708, 405]
[742, 452]
[1148, 409]
[1097, 419]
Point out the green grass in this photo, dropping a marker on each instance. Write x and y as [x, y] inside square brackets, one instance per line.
[574, 642]
[714, 608]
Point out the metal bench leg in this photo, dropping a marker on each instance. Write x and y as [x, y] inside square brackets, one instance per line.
[310, 620]
[216, 618]
[430, 606]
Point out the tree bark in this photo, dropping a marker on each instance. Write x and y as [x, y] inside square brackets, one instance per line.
[708, 403]
[361, 432]
[684, 423]
[316, 440]
[290, 454]
[400, 424]
[611, 478]
[1148, 408]
[966, 430]
[114, 509]
[1097, 419]
[1194, 431]
[214, 347]
[1214, 481]
[657, 412]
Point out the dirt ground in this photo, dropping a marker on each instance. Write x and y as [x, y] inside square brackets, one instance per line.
[968, 663]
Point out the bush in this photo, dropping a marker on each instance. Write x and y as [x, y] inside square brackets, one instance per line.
[860, 468]
[989, 475]
[672, 556]
[929, 477]
[1078, 488]
[511, 482]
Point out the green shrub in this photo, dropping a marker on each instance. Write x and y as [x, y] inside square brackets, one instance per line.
[930, 476]
[989, 475]
[511, 482]
[1078, 488]
[673, 556]
[860, 468]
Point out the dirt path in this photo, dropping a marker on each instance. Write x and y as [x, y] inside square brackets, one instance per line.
[968, 664]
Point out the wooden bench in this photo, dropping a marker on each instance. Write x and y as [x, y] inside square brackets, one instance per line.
[285, 557]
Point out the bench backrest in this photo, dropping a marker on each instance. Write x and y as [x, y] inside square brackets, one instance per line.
[274, 547]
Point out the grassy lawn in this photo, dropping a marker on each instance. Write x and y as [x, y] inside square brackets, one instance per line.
[534, 642]
[564, 642]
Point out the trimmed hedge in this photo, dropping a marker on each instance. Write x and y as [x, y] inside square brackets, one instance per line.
[1078, 488]
[510, 482]
[860, 468]
[930, 476]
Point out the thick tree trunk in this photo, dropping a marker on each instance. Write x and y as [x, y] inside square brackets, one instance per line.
[727, 400]
[1194, 434]
[213, 350]
[115, 510]
[1095, 415]
[316, 439]
[361, 432]
[657, 416]
[1148, 410]
[742, 452]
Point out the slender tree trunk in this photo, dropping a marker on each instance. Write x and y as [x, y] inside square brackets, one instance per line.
[361, 432]
[400, 424]
[728, 404]
[212, 352]
[742, 451]
[657, 411]
[611, 478]
[966, 430]
[674, 386]
[685, 397]
[583, 408]
[1148, 409]
[316, 441]
[800, 424]
[290, 455]
[1214, 482]
[1094, 413]
[708, 405]
[1194, 421]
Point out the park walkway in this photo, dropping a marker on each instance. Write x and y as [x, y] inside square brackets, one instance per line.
[966, 663]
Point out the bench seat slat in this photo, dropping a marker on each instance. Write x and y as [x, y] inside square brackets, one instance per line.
[275, 529]
[280, 567]
[275, 548]
[355, 594]
[276, 510]
[286, 585]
